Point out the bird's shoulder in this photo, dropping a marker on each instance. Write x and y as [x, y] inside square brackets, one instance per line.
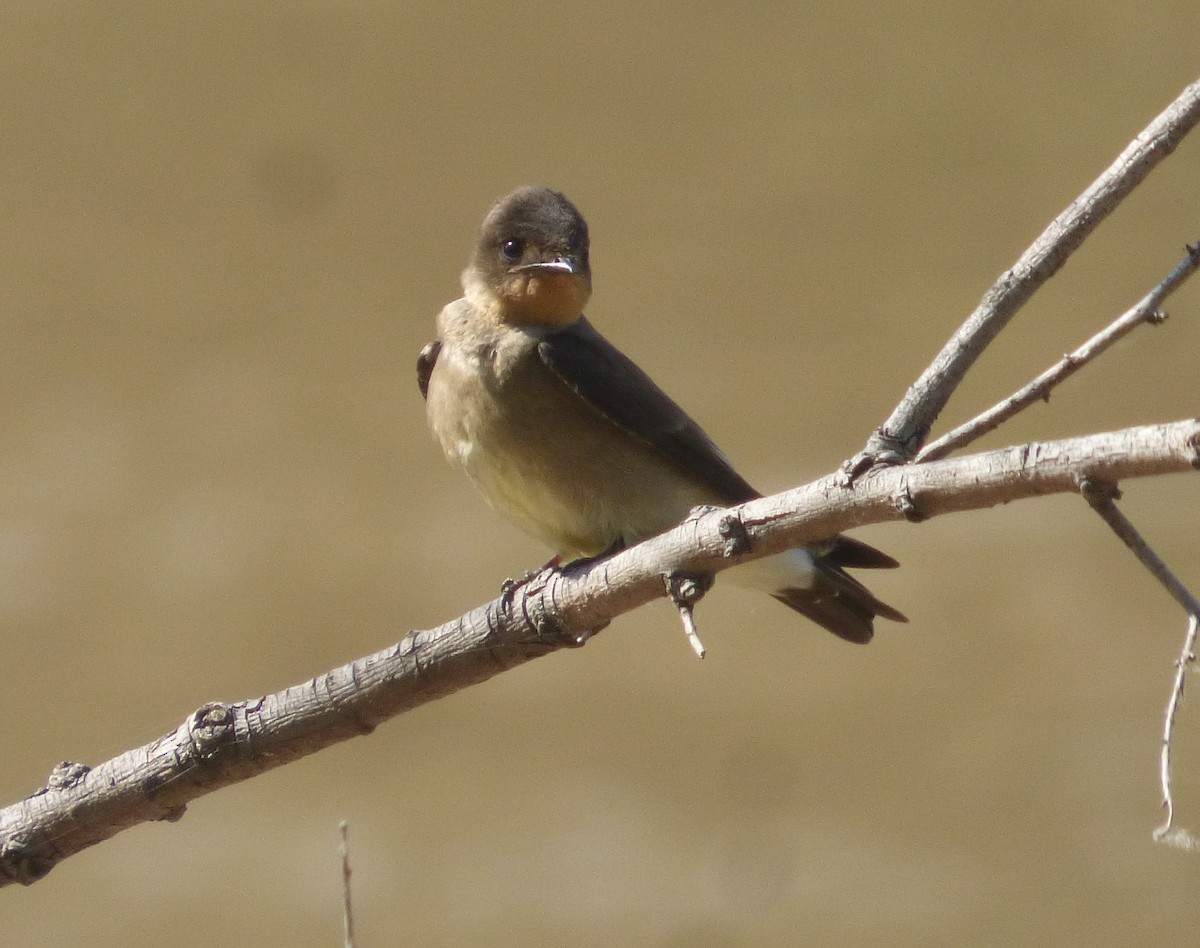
[616, 387]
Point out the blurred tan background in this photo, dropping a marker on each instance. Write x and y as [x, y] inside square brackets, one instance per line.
[225, 234]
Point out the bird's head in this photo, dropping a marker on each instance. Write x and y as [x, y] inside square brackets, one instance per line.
[531, 262]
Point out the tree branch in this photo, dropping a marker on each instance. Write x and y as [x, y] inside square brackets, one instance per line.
[348, 940]
[1168, 833]
[900, 437]
[221, 744]
[1102, 497]
[1145, 311]
[224, 743]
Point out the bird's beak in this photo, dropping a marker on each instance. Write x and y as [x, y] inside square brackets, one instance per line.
[557, 265]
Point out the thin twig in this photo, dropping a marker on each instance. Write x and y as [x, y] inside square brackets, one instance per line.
[1146, 311]
[685, 592]
[1179, 838]
[1102, 497]
[691, 631]
[900, 437]
[347, 909]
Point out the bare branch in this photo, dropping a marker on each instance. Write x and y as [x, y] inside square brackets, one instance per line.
[1168, 833]
[901, 436]
[1100, 493]
[347, 907]
[221, 744]
[685, 592]
[1146, 311]
[1103, 496]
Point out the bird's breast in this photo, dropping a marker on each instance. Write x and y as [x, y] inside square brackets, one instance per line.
[544, 457]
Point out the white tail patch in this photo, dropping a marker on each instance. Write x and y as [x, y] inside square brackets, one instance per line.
[792, 569]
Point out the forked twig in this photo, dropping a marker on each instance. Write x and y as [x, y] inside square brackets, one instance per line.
[1145, 312]
[1181, 839]
[900, 437]
[1102, 497]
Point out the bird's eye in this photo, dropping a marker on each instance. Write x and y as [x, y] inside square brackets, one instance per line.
[512, 249]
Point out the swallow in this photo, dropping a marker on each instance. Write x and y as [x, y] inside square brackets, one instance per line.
[568, 438]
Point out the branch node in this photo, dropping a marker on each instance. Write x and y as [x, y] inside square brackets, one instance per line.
[210, 729]
[903, 501]
[65, 775]
[210, 732]
[685, 592]
[24, 863]
[1097, 492]
[882, 450]
[733, 532]
[551, 632]
[533, 610]
[1156, 317]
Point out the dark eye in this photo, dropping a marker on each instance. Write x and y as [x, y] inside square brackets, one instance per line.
[512, 249]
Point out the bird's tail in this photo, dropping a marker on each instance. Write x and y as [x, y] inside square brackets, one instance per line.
[813, 581]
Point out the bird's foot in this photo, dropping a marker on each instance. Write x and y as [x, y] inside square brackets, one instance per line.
[585, 561]
[534, 610]
[508, 588]
[699, 511]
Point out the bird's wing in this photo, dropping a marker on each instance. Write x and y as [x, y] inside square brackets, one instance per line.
[425, 363]
[596, 371]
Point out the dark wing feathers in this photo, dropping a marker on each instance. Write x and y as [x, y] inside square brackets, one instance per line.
[846, 618]
[600, 374]
[613, 385]
[425, 363]
[840, 603]
[849, 553]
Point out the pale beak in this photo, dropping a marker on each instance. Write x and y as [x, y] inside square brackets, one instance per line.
[557, 265]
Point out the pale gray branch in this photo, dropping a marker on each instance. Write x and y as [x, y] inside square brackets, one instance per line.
[900, 437]
[1100, 493]
[347, 904]
[1145, 311]
[221, 744]
[1168, 833]
[1103, 496]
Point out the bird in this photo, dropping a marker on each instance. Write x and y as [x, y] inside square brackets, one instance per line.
[567, 437]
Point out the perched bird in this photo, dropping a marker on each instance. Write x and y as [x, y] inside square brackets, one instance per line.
[572, 441]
